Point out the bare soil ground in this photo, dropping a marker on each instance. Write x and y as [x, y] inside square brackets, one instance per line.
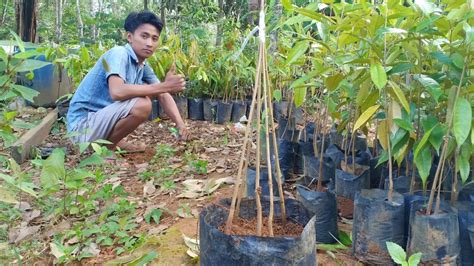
[217, 145]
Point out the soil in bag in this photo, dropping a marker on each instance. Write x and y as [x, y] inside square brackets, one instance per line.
[324, 206]
[195, 109]
[436, 236]
[210, 110]
[294, 246]
[376, 221]
[224, 112]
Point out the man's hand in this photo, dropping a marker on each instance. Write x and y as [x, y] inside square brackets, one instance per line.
[183, 133]
[174, 83]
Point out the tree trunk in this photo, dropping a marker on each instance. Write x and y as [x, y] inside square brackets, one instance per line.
[80, 25]
[4, 12]
[253, 11]
[220, 23]
[59, 19]
[26, 11]
[145, 4]
[162, 12]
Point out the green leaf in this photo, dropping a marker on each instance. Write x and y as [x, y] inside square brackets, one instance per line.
[404, 124]
[312, 14]
[458, 60]
[53, 171]
[423, 164]
[332, 82]
[430, 84]
[25, 92]
[345, 238]
[27, 54]
[400, 68]
[362, 120]
[396, 252]
[462, 112]
[277, 95]
[3, 55]
[19, 42]
[155, 214]
[7, 196]
[423, 141]
[399, 96]
[426, 6]
[287, 4]
[94, 159]
[30, 65]
[442, 57]
[83, 146]
[414, 259]
[296, 52]
[463, 162]
[378, 75]
[145, 259]
[96, 147]
[299, 95]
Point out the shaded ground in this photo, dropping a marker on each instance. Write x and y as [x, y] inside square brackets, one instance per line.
[193, 174]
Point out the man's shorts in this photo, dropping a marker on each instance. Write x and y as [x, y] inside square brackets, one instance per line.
[99, 125]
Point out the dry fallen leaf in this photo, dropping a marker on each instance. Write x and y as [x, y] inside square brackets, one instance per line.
[31, 215]
[23, 233]
[211, 149]
[193, 246]
[149, 188]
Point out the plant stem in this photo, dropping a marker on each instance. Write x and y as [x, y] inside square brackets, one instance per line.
[320, 177]
[445, 145]
[454, 192]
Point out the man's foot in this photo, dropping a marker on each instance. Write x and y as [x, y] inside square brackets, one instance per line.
[130, 147]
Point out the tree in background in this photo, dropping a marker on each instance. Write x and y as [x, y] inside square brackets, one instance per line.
[26, 13]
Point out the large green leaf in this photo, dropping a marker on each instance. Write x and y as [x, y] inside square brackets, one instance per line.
[396, 252]
[430, 84]
[398, 95]
[312, 14]
[297, 51]
[27, 54]
[333, 81]
[299, 95]
[414, 259]
[462, 114]
[423, 164]
[287, 4]
[423, 141]
[3, 55]
[53, 171]
[25, 92]
[378, 75]
[30, 65]
[463, 162]
[366, 115]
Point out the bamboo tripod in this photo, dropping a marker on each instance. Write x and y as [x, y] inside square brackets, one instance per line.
[262, 97]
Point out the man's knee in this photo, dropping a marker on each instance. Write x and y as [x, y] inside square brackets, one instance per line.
[142, 108]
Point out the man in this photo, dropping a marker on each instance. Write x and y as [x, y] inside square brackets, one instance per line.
[114, 98]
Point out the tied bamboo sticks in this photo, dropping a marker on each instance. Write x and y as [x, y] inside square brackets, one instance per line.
[262, 97]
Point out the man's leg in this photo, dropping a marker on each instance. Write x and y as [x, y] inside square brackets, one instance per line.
[138, 114]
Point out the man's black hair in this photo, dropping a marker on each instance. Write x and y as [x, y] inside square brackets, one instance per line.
[135, 19]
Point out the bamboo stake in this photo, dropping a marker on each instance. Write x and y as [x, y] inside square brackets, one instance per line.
[267, 141]
[257, 164]
[243, 157]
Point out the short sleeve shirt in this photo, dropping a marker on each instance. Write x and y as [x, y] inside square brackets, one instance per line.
[93, 91]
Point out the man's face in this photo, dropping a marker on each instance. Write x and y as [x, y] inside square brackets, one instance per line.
[144, 40]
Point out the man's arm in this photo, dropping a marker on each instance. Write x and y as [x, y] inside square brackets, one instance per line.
[169, 107]
[120, 91]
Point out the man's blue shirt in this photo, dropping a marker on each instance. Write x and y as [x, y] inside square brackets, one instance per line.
[93, 92]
